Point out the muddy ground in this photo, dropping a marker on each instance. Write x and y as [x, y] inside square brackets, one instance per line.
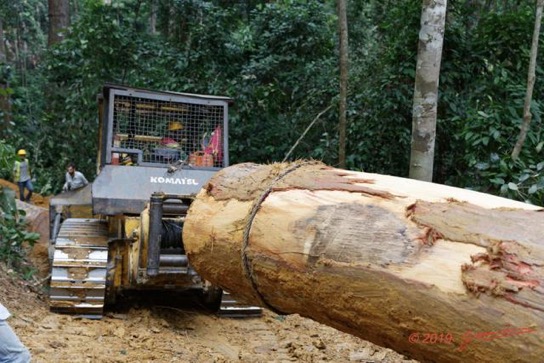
[141, 332]
[142, 329]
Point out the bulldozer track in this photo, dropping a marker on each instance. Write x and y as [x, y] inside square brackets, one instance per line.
[79, 268]
[231, 308]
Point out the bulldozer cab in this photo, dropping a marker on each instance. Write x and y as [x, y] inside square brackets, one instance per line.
[151, 128]
[155, 141]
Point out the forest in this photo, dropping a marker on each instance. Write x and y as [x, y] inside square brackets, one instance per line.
[279, 61]
[323, 92]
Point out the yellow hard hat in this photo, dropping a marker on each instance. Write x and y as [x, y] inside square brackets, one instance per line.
[174, 125]
[126, 159]
[21, 152]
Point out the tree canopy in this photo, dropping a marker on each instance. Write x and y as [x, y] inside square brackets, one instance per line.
[279, 62]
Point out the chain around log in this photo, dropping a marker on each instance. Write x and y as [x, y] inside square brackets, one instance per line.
[246, 263]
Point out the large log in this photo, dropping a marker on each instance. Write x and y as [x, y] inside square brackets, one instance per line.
[434, 272]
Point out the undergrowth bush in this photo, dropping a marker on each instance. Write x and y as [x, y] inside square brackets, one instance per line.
[13, 234]
[7, 158]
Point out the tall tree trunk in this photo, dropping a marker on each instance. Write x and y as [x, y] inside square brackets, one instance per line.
[5, 107]
[153, 17]
[527, 116]
[439, 273]
[2, 44]
[170, 22]
[429, 56]
[343, 36]
[19, 53]
[16, 52]
[59, 20]
[75, 9]
[5, 104]
[248, 11]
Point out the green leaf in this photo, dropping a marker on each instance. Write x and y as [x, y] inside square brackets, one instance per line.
[512, 111]
[533, 189]
[496, 134]
[512, 186]
[31, 236]
[482, 166]
[498, 181]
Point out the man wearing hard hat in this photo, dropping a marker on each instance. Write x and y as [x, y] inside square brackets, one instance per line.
[173, 137]
[22, 176]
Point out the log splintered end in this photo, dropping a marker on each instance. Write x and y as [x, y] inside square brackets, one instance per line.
[430, 236]
[507, 269]
[501, 271]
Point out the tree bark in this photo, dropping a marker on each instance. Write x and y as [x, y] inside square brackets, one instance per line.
[343, 36]
[153, 17]
[2, 44]
[429, 56]
[59, 20]
[527, 116]
[5, 103]
[5, 107]
[434, 272]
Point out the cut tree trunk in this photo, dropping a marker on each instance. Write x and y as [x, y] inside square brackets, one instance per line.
[434, 272]
[59, 20]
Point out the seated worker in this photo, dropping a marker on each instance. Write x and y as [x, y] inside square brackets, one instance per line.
[171, 144]
[11, 348]
[74, 179]
[174, 135]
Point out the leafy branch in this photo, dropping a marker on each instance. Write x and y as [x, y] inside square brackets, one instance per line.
[13, 234]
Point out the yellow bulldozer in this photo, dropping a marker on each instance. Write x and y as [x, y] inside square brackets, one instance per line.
[156, 151]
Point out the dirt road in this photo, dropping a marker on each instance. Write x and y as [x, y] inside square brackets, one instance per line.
[160, 330]
[144, 332]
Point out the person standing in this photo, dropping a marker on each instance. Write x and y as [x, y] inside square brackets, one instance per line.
[11, 348]
[74, 179]
[22, 176]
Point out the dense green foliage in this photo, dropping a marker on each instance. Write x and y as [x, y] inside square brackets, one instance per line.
[279, 61]
[12, 230]
[7, 159]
